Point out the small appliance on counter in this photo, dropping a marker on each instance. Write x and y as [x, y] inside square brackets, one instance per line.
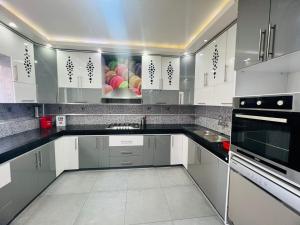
[46, 122]
[60, 121]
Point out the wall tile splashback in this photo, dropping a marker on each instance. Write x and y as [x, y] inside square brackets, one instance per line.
[214, 117]
[16, 118]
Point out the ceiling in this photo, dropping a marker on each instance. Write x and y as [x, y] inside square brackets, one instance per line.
[129, 24]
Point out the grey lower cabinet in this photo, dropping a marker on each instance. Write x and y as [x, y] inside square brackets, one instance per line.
[30, 174]
[210, 173]
[93, 152]
[161, 151]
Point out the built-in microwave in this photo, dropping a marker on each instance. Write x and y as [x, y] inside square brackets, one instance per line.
[267, 129]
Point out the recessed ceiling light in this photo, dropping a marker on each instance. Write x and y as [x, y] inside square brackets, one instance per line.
[186, 53]
[13, 25]
[99, 50]
[205, 40]
[48, 45]
[247, 60]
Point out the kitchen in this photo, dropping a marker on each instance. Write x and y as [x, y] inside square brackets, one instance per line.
[139, 112]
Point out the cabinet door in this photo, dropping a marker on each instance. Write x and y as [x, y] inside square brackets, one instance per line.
[72, 156]
[253, 17]
[46, 171]
[148, 151]
[24, 174]
[285, 16]
[88, 152]
[226, 90]
[220, 201]
[151, 72]
[216, 60]
[90, 70]
[22, 55]
[194, 161]
[162, 150]
[68, 69]
[102, 146]
[170, 73]
[176, 150]
[24, 92]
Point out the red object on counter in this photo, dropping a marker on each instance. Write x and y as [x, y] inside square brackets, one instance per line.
[46, 122]
[226, 145]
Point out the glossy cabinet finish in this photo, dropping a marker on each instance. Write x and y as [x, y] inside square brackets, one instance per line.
[23, 65]
[79, 70]
[162, 150]
[170, 73]
[177, 149]
[148, 150]
[285, 27]
[214, 71]
[93, 151]
[252, 28]
[151, 72]
[210, 173]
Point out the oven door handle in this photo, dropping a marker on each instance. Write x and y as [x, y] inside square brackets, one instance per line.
[263, 118]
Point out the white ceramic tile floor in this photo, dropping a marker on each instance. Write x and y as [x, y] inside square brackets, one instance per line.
[148, 196]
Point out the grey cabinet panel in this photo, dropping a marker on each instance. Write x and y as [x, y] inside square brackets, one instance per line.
[7, 208]
[194, 162]
[220, 202]
[88, 152]
[24, 175]
[102, 146]
[148, 152]
[162, 151]
[285, 15]
[126, 161]
[253, 16]
[126, 150]
[46, 171]
[46, 74]
[160, 97]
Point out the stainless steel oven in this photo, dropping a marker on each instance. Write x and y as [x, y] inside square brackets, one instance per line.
[266, 129]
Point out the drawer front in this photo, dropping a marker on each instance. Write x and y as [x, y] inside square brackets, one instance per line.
[126, 161]
[126, 150]
[126, 140]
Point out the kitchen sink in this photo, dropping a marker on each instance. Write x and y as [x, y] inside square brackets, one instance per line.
[210, 136]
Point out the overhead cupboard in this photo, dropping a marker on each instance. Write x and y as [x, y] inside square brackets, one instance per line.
[17, 68]
[160, 73]
[214, 71]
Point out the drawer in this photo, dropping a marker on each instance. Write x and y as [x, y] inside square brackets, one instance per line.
[125, 150]
[126, 140]
[126, 161]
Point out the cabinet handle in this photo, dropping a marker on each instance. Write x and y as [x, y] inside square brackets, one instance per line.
[261, 46]
[76, 144]
[225, 74]
[148, 143]
[36, 161]
[40, 160]
[28, 100]
[201, 103]
[126, 163]
[205, 79]
[271, 44]
[200, 155]
[16, 74]
[172, 140]
[126, 153]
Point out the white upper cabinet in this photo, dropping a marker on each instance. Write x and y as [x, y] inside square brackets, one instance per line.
[21, 53]
[160, 73]
[170, 73]
[79, 70]
[214, 71]
[151, 72]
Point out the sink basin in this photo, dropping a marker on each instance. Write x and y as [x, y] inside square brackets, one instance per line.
[210, 136]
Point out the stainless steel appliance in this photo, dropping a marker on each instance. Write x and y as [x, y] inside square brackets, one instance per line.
[266, 129]
[123, 126]
[264, 178]
[257, 197]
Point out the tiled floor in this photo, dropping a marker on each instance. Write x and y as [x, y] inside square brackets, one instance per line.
[150, 196]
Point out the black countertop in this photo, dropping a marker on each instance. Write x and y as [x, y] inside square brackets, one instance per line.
[15, 145]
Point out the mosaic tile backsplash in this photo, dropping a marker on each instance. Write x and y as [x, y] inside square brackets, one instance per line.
[17, 118]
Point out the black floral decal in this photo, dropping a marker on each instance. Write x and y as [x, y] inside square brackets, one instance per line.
[151, 70]
[170, 72]
[90, 69]
[70, 68]
[215, 60]
[27, 62]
